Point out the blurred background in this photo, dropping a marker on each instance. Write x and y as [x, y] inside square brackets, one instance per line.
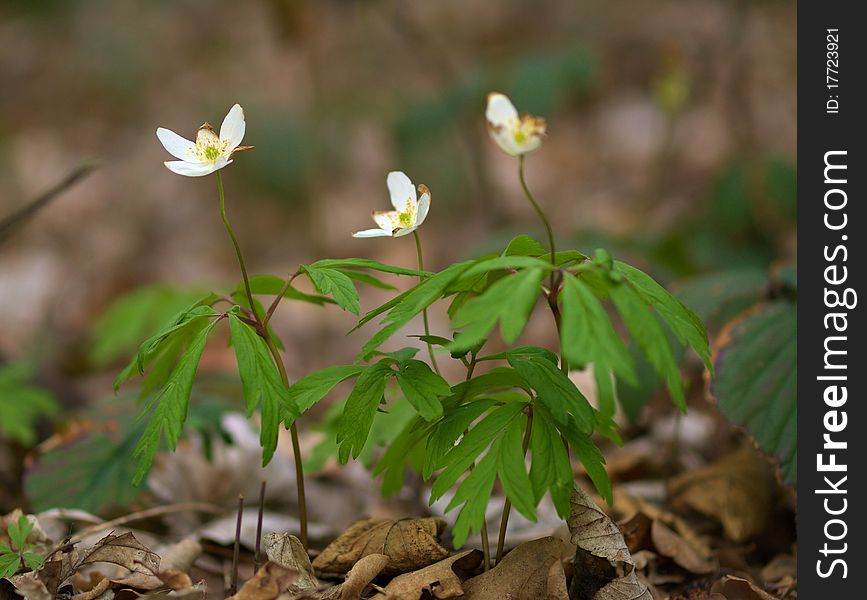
[671, 142]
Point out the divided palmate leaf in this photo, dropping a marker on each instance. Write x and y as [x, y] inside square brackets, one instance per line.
[354, 425]
[263, 387]
[311, 388]
[422, 388]
[171, 403]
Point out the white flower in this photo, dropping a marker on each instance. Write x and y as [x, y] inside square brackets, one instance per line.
[515, 134]
[210, 152]
[409, 211]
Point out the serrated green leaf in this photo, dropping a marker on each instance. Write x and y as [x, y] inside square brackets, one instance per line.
[526, 352]
[524, 245]
[587, 333]
[423, 388]
[335, 283]
[32, 560]
[367, 279]
[550, 468]
[686, 325]
[591, 457]
[555, 390]
[18, 532]
[460, 457]
[365, 263]
[512, 470]
[475, 493]
[171, 404]
[263, 387]
[448, 430]
[510, 300]
[311, 388]
[354, 425]
[269, 285]
[9, 564]
[650, 338]
[412, 437]
[756, 381]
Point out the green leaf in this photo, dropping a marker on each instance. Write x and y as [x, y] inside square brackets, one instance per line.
[403, 450]
[555, 390]
[474, 493]
[591, 457]
[524, 245]
[136, 316]
[499, 378]
[18, 532]
[332, 281]
[263, 387]
[650, 338]
[756, 381]
[365, 263]
[402, 309]
[311, 388]
[525, 352]
[32, 560]
[423, 388]
[587, 333]
[22, 403]
[354, 425]
[513, 472]
[686, 325]
[460, 457]
[550, 469]
[269, 285]
[9, 564]
[171, 404]
[448, 430]
[510, 300]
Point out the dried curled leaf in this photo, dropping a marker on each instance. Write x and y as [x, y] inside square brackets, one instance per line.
[669, 544]
[268, 583]
[525, 573]
[597, 536]
[287, 551]
[736, 491]
[440, 580]
[737, 588]
[410, 544]
[357, 580]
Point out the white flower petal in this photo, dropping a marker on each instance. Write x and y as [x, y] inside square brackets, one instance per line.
[176, 145]
[189, 169]
[369, 233]
[500, 110]
[233, 127]
[423, 207]
[505, 139]
[407, 231]
[388, 220]
[402, 191]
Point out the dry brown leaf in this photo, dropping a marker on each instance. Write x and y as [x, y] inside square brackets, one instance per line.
[636, 532]
[198, 591]
[596, 535]
[268, 583]
[441, 580]
[523, 574]
[287, 551]
[410, 544]
[556, 585]
[736, 491]
[358, 578]
[736, 588]
[95, 592]
[31, 587]
[669, 544]
[178, 558]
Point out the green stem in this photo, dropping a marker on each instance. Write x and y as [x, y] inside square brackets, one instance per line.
[275, 354]
[419, 255]
[507, 505]
[538, 210]
[235, 243]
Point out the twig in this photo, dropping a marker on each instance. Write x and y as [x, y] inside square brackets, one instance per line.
[233, 588]
[147, 514]
[257, 558]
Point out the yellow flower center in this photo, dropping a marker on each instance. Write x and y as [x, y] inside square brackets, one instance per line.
[405, 219]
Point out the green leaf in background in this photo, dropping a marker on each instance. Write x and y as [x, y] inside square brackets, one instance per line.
[756, 379]
[555, 390]
[407, 448]
[136, 316]
[510, 300]
[332, 281]
[171, 404]
[588, 335]
[357, 418]
[263, 387]
[22, 403]
[686, 325]
[719, 296]
[9, 561]
[650, 338]
[311, 388]
[423, 388]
